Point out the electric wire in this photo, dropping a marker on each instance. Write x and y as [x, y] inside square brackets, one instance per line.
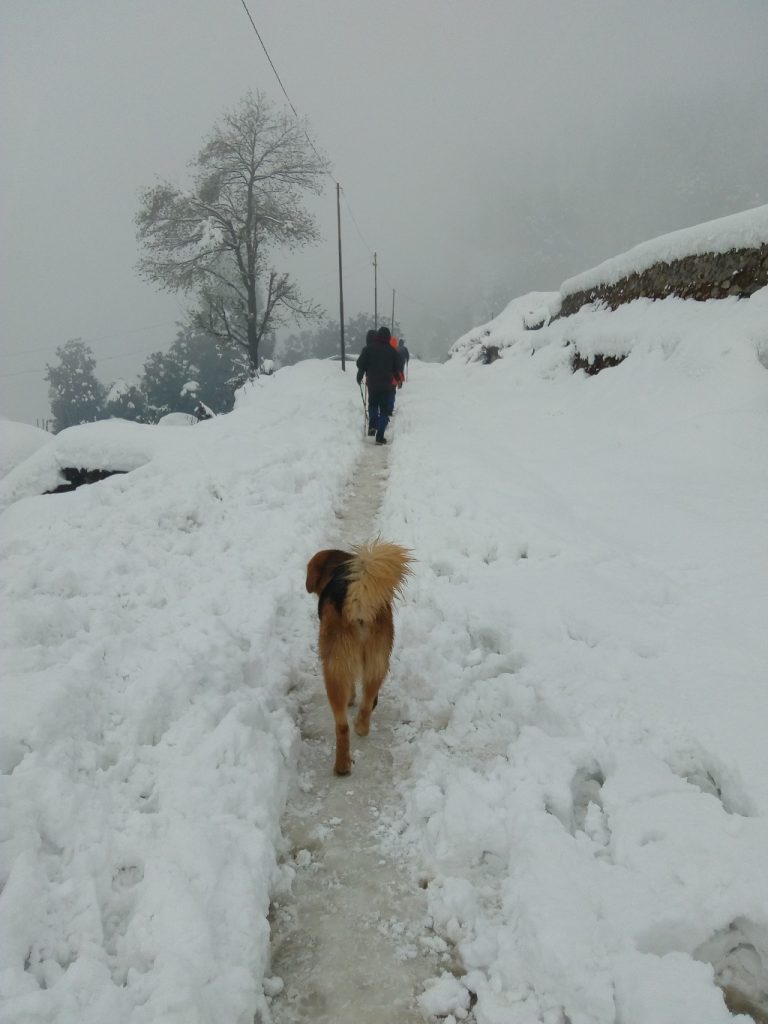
[285, 92]
[89, 341]
[102, 359]
[367, 246]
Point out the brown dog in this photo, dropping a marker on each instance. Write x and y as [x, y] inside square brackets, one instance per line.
[355, 592]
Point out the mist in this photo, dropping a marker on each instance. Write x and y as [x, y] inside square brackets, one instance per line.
[484, 149]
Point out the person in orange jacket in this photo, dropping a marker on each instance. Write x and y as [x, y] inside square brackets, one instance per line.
[398, 376]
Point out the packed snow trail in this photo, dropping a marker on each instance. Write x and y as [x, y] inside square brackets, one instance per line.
[349, 943]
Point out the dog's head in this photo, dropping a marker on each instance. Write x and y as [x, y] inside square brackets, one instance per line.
[322, 566]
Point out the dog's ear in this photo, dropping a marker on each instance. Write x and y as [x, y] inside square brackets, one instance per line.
[321, 566]
[314, 568]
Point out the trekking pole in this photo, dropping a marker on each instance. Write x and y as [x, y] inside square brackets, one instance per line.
[365, 412]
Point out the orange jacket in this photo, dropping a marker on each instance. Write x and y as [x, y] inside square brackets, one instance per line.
[398, 377]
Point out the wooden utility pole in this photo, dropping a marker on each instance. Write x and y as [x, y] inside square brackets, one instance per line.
[375, 292]
[392, 322]
[341, 286]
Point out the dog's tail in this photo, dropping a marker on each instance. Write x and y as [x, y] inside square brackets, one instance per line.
[377, 573]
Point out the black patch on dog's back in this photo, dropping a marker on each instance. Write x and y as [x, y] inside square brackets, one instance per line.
[335, 589]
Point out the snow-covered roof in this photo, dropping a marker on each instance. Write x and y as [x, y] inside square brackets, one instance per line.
[745, 230]
[115, 444]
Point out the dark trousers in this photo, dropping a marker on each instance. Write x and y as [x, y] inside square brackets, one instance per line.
[379, 407]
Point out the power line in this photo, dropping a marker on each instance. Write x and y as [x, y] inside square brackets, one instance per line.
[89, 341]
[285, 93]
[357, 226]
[102, 359]
[266, 51]
[368, 247]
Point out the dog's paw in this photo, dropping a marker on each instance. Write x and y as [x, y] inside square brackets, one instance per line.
[362, 726]
[343, 767]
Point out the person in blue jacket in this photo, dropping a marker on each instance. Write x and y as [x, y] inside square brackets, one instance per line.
[380, 364]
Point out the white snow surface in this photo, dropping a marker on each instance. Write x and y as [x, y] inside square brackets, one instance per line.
[745, 230]
[17, 442]
[177, 419]
[116, 445]
[587, 654]
[151, 624]
[579, 672]
[512, 323]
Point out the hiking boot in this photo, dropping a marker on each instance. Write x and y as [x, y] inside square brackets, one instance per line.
[371, 431]
[380, 439]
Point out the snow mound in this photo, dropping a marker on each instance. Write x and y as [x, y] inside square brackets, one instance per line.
[525, 313]
[177, 419]
[114, 445]
[746, 230]
[17, 442]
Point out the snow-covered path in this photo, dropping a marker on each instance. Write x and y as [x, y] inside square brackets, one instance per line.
[349, 942]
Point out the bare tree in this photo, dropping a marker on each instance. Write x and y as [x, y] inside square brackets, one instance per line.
[216, 238]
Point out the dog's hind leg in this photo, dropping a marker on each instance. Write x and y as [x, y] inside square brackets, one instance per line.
[370, 699]
[375, 668]
[337, 686]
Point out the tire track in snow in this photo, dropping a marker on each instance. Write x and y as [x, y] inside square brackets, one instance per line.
[350, 942]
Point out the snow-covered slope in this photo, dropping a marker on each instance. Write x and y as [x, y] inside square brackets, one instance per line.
[748, 229]
[586, 652]
[151, 623]
[579, 675]
[514, 321]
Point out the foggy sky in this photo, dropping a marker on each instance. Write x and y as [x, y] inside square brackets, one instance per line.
[486, 148]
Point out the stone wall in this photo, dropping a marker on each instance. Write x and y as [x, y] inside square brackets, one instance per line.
[708, 276]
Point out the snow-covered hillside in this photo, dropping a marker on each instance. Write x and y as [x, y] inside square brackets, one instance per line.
[587, 658]
[748, 229]
[579, 678]
[151, 625]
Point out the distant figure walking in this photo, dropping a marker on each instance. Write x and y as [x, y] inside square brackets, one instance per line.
[399, 377]
[405, 355]
[379, 363]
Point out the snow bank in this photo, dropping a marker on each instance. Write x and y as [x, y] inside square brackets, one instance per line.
[115, 445]
[530, 311]
[177, 419]
[17, 442]
[581, 661]
[153, 624]
[745, 230]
